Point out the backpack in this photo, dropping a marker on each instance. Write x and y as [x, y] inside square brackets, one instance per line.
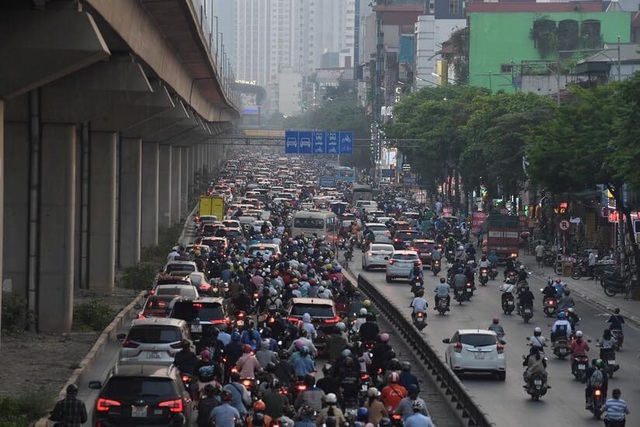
[596, 379]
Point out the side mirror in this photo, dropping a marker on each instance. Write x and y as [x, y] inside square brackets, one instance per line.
[121, 337]
[446, 340]
[528, 338]
[95, 385]
[137, 307]
[503, 342]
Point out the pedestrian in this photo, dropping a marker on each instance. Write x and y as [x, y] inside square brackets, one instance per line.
[70, 411]
[539, 250]
[592, 263]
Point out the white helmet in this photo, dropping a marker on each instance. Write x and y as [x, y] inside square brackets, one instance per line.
[320, 289]
[363, 311]
[537, 330]
[331, 398]
[578, 334]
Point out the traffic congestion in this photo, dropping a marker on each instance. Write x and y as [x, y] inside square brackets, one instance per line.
[258, 319]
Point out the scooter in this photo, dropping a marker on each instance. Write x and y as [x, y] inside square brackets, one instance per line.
[469, 290]
[419, 320]
[526, 313]
[618, 336]
[561, 348]
[550, 306]
[460, 295]
[435, 267]
[442, 306]
[579, 366]
[597, 400]
[493, 272]
[484, 276]
[508, 303]
[608, 356]
[536, 386]
[417, 285]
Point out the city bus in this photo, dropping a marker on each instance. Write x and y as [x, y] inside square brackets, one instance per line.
[362, 192]
[344, 174]
[322, 223]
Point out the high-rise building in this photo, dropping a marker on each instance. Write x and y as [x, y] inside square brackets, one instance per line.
[252, 35]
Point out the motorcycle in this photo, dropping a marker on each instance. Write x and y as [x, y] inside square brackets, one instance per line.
[550, 306]
[526, 313]
[460, 295]
[450, 255]
[396, 420]
[348, 255]
[484, 276]
[561, 348]
[469, 290]
[442, 306]
[536, 387]
[493, 272]
[579, 366]
[420, 320]
[417, 284]
[580, 268]
[435, 267]
[618, 336]
[609, 359]
[508, 303]
[613, 284]
[597, 400]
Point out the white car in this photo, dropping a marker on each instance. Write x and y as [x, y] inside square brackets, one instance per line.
[400, 264]
[153, 340]
[476, 350]
[381, 232]
[377, 256]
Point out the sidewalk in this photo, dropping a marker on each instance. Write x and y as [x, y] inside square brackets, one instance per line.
[588, 290]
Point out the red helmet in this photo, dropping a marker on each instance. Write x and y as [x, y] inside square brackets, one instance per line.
[394, 377]
[246, 348]
[259, 406]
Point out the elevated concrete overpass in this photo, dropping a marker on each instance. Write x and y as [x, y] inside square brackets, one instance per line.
[108, 108]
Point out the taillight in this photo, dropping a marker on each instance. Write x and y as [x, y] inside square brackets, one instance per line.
[173, 405]
[458, 347]
[130, 344]
[551, 302]
[103, 405]
[391, 262]
[141, 316]
[301, 387]
[186, 378]
[369, 254]
[364, 376]
[247, 384]
[598, 392]
[396, 417]
[500, 348]
[420, 314]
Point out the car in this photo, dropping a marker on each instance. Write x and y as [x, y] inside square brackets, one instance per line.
[381, 233]
[323, 314]
[203, 249]
[153, 340]
[377, 256]
[201, 314]
[177, 289]
[157, 306]
[402, 238]
[199, 280]
[424, 248]
[263, 249]
[215, 243]
[400, 264]
[141, 395]
[231, 234]
[186, 266]
[476, 350]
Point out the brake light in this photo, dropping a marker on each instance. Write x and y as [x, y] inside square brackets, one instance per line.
[551, 302]
[335, 319]
[103, 405]
[396, 417]
[186, 378]
[141, 316]
[391, 262]
[173, 405]
[457, 347]
[301, 387]
[247, 383]
[500, 348]
[420, 314]
[364, 376]
[130, 344]
[598, 392]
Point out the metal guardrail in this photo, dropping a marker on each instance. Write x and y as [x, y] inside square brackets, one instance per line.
[454, 389]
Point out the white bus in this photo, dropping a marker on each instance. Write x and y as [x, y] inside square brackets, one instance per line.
[322, 223]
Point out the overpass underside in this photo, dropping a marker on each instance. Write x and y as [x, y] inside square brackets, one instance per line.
[102, 132]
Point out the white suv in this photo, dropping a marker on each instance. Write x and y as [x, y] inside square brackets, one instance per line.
[154, 340]
[476, 350]
[400, 264]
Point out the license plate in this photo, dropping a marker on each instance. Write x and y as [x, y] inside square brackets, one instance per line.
[196, 328]
[527, 311]
[582, 366]
[364, 387]
[468, 289]
[479, 355]
[138, 411]
[153, 355]
[510, 302]
[537, 382]
[611, 362]
[484, 274]
[562, 350]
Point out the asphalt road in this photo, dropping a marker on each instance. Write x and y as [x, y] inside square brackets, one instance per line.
[507, 402]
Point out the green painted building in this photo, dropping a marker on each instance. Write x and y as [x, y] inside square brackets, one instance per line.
[510, 39]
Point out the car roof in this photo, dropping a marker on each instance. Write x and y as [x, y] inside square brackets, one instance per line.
[145, 370]
[159, 321]
[424, 240]
[404, 252]
[211, 300]
[369, 224]
[319, 301]
[476, 332]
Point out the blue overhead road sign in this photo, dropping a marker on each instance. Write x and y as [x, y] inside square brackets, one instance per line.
[318, 142]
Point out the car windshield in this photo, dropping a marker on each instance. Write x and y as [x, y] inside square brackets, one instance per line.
[386, 248]
[314, 310]
[316, 223]
[405, 257]
[478, 340]
[180, 267]
[423, 246]
[377, 227]
[131, 387]
[405, 235]
[155, 334]
[253, 251]
[189, 311]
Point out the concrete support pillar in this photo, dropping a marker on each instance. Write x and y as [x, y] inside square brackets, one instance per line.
[150, 179]
[193, 169]
[1, 197]
[130, 201]
[186, 182]
[57, 228]
[176, 184]
[102, 210]
[16, 207]
[164, 189]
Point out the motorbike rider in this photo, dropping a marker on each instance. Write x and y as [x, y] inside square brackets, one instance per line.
[615, 320]
[493, 258]
[596, 376]
[369, 330]
[484, 262]
[360, 319]
[559, 287]
[561, 328]
[186, 360]
[523, 274]
[470, 274]
[459, 281]
[381, 353]
[405, 406]
[566, 301]
[436, 255]
[419, 304]
[407, 379]
[418, 419]
[508, 289]
[535, 364]
[525, 297]
[578, 346]
[393, 393]
[572, 317]
[511, 266]
[606, 344]
[537, 340]
[616, 410]
[442, 290]
[549, 291]
[496, 327]
[416, 272]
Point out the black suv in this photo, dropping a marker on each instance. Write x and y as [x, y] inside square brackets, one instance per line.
[202, 314]
[141, 395]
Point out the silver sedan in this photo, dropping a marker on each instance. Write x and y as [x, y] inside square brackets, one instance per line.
[377, 256]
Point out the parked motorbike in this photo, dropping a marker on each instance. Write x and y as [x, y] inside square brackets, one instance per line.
[580, 269]
[435, 266]
[536, 386]
[484, 275]
[579, 366]
[561, 348]
[420, 320]
[550, 306]
[613, 284]
[526, 313]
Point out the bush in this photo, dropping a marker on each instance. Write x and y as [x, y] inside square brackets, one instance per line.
[22, 410]
[139, 276]
[95, 314]
[15, 312]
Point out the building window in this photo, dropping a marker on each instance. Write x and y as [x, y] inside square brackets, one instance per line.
[506, 68]
[454, 6]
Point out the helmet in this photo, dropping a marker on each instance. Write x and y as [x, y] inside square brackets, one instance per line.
[416, 405]
[384, 337]
[226, 396]
[346, 353]
[326, 369]
[205, 354]
[570, 309]
[363, 311]
[209, 390]
[366, 303]
[443, 280]
[394, 364]
[258, 419]
[537, 331]
[341, 326]
[384, 422]
[72, 389]
[275, 384]
[362, 414]
[561, 315]
[259, 406]
[557, 281]
[599, 363]
[394, 377]
[373, 392]
[338, 269]
[246, 348]
[413, 389]
[309, 411]
[522, 267]
[405, 366]
[235, 336]
[496, 320]
[578, 334]
[616, 310]
[321, 289]
[331, 399]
